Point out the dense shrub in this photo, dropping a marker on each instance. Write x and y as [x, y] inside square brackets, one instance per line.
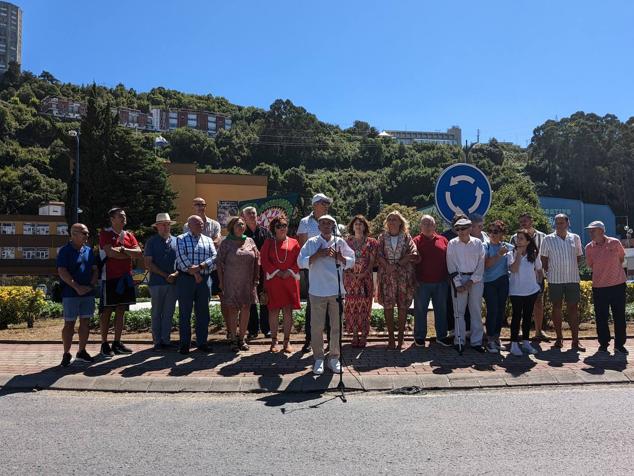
[20, 304]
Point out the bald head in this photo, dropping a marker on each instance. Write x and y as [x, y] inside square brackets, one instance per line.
[79, 234]
[195, 225]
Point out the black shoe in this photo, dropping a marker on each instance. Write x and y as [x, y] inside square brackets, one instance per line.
[252, 336]
[84, 356]
[621, 349]
[118, 348]
[445, 342]
[267, 335]
[459, 348]
[157, 347]
[106, 351]
[478, 348]
[419, 342]
[603, 348]
[306, 347]
[66, 359]
[183, 350]
[204, 348]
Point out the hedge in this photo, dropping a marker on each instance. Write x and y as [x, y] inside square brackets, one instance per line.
[20, 304]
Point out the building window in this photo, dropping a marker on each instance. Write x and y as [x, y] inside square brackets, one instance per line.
[7, 229]
[42, 229]
[7, 253]
[35, 253]
[28, 229]
[62, 229]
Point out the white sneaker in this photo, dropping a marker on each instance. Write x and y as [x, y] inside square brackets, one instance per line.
[528, 348]
[334, 365]
[515, 349]
[492, 348]
[318, 367]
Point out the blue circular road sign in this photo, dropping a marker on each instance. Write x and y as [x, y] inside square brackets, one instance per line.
[462, 188]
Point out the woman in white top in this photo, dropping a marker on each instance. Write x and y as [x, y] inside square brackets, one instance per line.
[525, 267]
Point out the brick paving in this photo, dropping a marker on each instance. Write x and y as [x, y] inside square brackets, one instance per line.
[36, 365]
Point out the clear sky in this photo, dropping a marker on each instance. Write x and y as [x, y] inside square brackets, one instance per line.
[502, 66]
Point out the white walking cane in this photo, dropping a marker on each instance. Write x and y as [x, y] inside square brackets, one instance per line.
[457, 328]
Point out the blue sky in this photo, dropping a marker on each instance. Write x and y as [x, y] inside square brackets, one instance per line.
[501, 66]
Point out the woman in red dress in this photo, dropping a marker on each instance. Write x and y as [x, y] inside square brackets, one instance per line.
[281, 279]
[358, 281]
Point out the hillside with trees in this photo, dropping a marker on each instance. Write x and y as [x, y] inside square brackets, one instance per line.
[584, 156]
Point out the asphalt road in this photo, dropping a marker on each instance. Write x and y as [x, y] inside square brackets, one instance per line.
[559, 430]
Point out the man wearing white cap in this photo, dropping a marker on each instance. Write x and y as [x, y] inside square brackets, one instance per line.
[605, 256]
[308, 228]
[326, 257]
[160, 256]
[465, 264]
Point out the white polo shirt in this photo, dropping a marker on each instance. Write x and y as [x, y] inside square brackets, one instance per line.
[562, 256]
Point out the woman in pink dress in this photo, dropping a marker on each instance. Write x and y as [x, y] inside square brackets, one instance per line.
[238, 265]
[358, 281]
[396, 277]
[281, 279]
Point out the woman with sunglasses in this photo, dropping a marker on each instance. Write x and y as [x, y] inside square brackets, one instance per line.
[496, 283]
[281, 279]
[526, 268]
[238, 265]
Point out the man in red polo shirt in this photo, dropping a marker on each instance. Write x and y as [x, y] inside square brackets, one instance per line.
[117, 247]
[431, 277]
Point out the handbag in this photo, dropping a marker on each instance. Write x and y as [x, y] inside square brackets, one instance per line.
[263, 297]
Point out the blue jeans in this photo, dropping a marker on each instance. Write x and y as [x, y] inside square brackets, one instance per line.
[192, 296]
[163, 306]
[438, 294]
[496, 293]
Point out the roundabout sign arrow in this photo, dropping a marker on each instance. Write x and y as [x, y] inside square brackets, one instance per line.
[462, 188]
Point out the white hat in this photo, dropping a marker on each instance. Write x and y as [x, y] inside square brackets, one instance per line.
[321, 197]
[596, 224]
[163, 217]
[462, 222]
[327, 217]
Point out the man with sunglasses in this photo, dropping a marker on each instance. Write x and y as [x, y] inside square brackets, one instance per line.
[119, 247]
[309, 228]
[211, 229]
[465, 264]
[259, 234]
[78, 274]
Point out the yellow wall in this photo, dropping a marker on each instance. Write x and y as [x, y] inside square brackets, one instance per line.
[212, 187]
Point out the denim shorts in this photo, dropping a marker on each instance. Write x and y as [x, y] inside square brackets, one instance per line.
[82, 307]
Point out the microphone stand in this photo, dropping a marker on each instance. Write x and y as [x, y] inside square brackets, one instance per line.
[341, 387]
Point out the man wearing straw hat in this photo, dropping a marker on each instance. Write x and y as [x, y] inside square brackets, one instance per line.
[160, 256]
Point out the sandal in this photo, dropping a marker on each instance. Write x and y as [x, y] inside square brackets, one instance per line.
[363, 342]
[274, 348]
[235, 345]
[355, 341]
[288, 349]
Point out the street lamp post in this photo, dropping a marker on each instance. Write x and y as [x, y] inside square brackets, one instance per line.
[75, 214]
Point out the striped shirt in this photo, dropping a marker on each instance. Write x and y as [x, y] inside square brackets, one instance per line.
[211, 228]
[562, 256]
[606, 261]
[192, 251]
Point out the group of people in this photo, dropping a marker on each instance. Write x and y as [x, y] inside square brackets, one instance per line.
[256, 272]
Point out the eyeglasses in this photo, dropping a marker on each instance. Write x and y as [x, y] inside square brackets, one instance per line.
[200, 205]
[323, 202]
[495, 232]
[85, 233]
[462, 228]
[281, 225]
[240, 224]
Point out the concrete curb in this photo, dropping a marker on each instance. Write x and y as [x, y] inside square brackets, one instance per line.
[305, 383]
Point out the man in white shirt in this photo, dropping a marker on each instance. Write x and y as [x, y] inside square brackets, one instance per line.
[326, 257]
[308, 228]
[561, 252]
[465, 264]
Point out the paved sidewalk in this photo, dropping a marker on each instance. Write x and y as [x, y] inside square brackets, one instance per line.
[36, 366]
